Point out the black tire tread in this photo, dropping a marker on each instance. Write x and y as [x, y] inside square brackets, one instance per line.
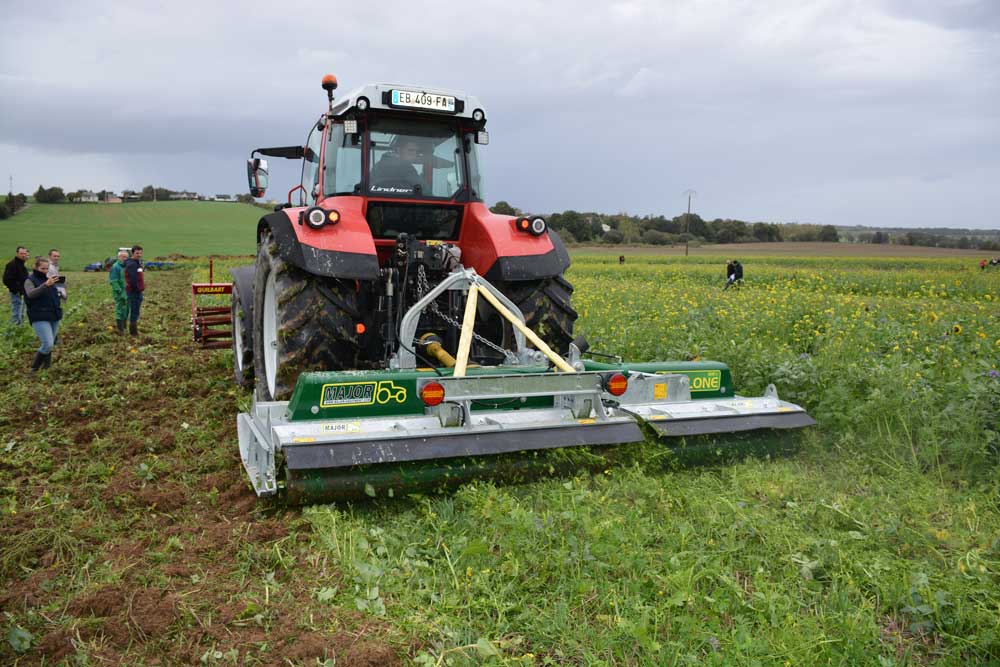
[315, 321]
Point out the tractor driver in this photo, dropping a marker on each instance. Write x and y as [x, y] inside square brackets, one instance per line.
[395, 168]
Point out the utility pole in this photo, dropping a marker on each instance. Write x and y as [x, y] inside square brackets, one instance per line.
[687, 220]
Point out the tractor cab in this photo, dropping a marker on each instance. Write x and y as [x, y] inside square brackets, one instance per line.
[411, 154]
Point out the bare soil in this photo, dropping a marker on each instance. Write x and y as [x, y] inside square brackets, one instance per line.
[136, 539]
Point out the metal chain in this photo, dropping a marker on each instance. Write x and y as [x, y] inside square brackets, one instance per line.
[423, 287]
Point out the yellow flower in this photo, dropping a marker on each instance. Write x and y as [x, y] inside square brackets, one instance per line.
[957, 329]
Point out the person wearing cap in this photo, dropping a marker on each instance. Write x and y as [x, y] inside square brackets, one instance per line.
[116, 276]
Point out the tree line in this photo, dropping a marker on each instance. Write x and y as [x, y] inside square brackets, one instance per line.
[621, 228]
[12, 204]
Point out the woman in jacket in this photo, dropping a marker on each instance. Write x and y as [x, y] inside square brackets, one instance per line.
[44, 310]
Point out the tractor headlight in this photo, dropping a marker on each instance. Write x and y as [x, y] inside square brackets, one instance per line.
[362, 104]
[478, 115]
[535, 226]
[316, 217]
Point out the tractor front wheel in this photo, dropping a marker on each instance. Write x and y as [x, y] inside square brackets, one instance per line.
[302, 322]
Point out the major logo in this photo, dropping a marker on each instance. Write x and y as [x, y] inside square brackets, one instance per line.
[353, 394]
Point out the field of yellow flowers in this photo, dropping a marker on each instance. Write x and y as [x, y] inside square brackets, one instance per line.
[900, 353]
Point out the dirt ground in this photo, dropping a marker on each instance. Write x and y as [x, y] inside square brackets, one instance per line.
[129, 534]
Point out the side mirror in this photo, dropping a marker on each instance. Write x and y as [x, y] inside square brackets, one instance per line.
[482, 137]
[257, 176]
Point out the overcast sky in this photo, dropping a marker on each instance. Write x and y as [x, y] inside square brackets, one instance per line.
[876, 112]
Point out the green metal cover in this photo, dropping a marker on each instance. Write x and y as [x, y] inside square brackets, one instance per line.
[347, 394]
[709, 379]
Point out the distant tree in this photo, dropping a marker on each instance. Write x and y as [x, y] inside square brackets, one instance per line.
[828, 234]
[4, 211]
[654, 237]
[880, 237]
[73, 197]
[732, 231]
[245, 199]
[574, 223]
[631, 231]
[503, 208]
[613, 236]
[52, 195]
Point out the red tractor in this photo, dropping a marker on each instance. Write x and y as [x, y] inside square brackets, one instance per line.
[391, 201]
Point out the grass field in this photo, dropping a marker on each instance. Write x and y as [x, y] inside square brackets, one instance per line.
[130, 537]
[86, 233]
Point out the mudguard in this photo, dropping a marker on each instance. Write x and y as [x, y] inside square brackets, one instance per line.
[494, 247]
[342, 250]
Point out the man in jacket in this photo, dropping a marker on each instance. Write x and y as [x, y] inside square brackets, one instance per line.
[134, 286]
[14, 275]
[116, 276]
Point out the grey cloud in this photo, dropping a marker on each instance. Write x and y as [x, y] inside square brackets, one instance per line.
[829, 111]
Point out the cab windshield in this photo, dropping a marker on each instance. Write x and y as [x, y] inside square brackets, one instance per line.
[419, 159]
[409, 159]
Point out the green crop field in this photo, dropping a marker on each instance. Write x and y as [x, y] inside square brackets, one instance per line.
[86, 233]
[130, 536]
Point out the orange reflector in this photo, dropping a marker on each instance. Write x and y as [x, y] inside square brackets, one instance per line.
[359, 328]
[432, 394]
[617, 384]
[523, 224]
[333, 216]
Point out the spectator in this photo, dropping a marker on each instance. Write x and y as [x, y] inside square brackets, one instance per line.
[54, 272]
[982, 265]
[14, 275]
[621, 259]
[135, 285]
[44, 310]
[116, 277]
[735, 274]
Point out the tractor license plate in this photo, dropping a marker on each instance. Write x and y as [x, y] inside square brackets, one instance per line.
[408, 98]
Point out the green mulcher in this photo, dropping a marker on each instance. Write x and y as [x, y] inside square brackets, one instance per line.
[399, 335]
[348, 433]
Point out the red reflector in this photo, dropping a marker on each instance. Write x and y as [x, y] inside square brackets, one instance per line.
[359, 328]
[617, 384]
[432, 394]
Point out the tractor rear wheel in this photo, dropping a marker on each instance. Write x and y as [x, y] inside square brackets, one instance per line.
[242, 341]
[546, 305]
[302, 322]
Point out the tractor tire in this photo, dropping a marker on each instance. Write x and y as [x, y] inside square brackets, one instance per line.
[547, 308]
[243, 370]
[302, 322]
